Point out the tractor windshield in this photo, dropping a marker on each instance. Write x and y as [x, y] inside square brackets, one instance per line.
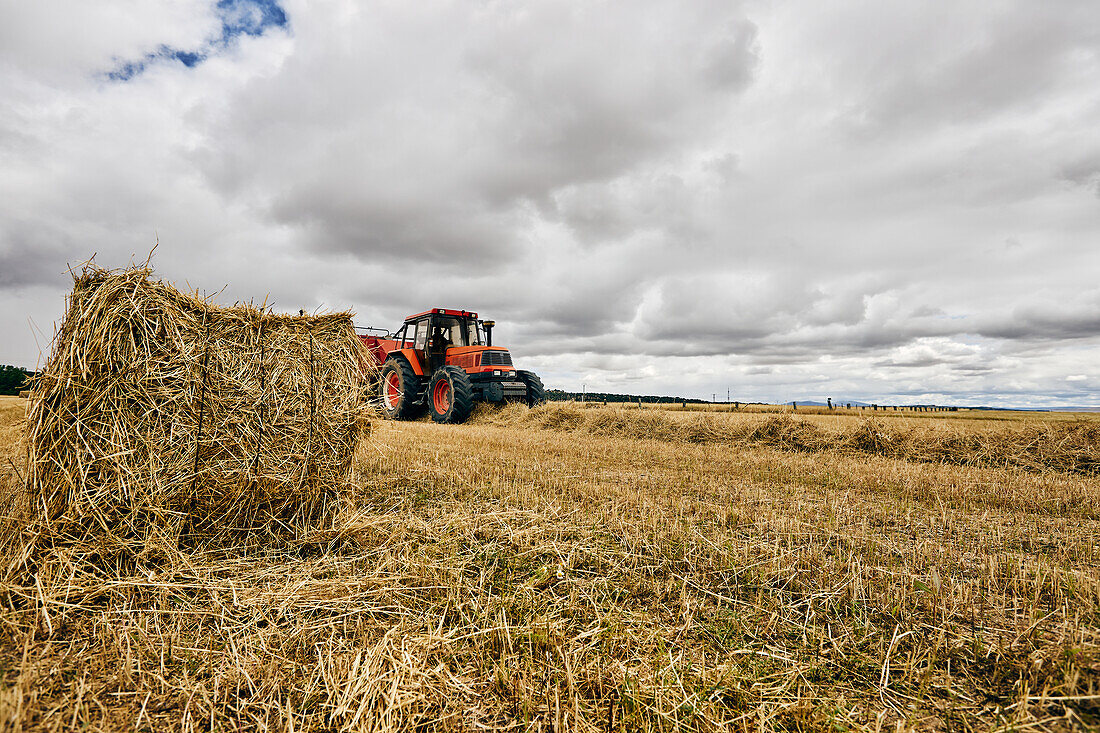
[451, 331]
[455, 331]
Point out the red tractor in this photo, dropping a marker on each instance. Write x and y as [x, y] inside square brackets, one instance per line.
[444, 361]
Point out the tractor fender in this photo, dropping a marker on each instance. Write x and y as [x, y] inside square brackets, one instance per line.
[410, 356]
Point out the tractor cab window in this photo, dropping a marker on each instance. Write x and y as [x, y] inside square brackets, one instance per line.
[450, 330]
[400, 335]
[420, 339]
[475, 332]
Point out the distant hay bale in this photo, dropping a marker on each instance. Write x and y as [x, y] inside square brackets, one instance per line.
[162, 418]
[652, 425]
[870, 436]
[783, 431]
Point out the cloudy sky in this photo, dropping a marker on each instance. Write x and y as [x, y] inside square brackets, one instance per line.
[883, 201]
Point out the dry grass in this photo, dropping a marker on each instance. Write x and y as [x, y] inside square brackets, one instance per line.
[548, 570]
[1071, 446]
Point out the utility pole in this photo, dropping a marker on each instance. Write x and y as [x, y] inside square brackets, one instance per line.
[713, 397]
[584, 389]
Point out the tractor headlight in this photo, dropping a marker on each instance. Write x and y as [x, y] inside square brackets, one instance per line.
[496, 372]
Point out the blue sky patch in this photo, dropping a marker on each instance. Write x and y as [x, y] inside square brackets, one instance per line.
[249, 17]
[238, 18]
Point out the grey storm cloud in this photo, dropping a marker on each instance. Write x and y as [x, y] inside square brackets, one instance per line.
[32, 254]
[868, 198]
[468, 124]
[1063, 320]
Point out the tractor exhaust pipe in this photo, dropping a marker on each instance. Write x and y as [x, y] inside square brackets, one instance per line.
[488, 331]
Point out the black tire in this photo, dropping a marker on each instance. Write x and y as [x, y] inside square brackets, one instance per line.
[450, 397]
[398, 388]
[536, 393]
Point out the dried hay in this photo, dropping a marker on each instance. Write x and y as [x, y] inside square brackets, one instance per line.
[163, 419]
[651, 425]
[870, 436]
[783, 431]
[548, 416]
[1072, 447]
[700, 429]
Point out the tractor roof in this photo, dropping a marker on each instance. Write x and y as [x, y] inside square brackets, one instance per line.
[443, 312]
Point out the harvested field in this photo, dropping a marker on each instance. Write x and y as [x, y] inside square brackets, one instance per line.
[553, 569]
[1058, 444]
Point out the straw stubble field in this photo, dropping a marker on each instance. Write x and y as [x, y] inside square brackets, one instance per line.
[567, 569]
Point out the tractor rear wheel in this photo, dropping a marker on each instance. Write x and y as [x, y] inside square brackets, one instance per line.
[536, 393]
[450, 396]
[399, 387]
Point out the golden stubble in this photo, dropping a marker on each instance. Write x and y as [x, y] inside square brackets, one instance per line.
[547, 570]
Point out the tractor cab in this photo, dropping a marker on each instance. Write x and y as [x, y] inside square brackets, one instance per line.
[444, 360]
[434, 333]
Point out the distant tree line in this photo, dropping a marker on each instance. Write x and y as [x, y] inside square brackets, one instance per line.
[562, 396]
[13, 379]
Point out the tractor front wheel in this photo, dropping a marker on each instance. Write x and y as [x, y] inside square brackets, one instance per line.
[536, 393]
[399, 389]
[450, 396]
